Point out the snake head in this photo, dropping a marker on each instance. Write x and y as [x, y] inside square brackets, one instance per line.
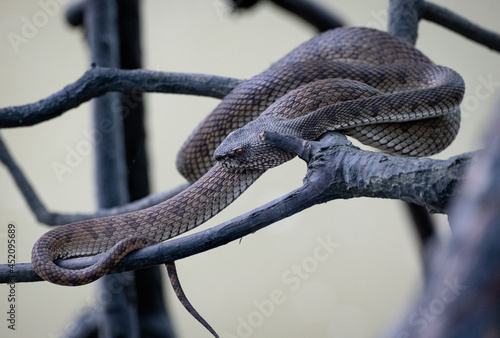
[243, 149]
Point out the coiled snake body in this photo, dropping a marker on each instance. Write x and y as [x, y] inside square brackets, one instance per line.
[364, 82]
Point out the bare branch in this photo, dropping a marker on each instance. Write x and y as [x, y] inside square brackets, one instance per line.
[337, 170]
[53, 218]
[460, 25]
[309, 11]
[464, 273]
[403, 22]
[94, 83]
[312, 13]
[403, 19]
[100, 80]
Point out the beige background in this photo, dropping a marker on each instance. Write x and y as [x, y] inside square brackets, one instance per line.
[356, 291]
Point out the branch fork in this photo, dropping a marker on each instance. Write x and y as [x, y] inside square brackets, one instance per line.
[336, 170]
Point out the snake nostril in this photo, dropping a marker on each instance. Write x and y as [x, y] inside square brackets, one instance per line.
[219, 158]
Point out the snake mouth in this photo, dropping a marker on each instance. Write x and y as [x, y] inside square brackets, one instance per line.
[226, 161]
[229, 165]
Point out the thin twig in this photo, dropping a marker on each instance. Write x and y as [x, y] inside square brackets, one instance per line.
[460, 25]
[312, 13]
[118, 314]
[53, 218]
[100, 80]
[309, 11]
[337, 171]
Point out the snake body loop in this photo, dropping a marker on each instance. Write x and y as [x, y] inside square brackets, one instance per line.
[364, 82]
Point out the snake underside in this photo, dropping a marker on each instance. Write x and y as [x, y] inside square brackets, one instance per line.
[366, 83]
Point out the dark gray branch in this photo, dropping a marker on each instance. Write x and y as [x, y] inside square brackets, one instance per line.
[405, 14]
[75, 12]
[118, 313]
[84, 326]
[95, 82]
[312, 13]
[337, 170]
[460, 25]
[99, 80]
[344, 171]
[152, 314]
[461, 294]
[403, 22]
[53, 218]
[461, 298]
[403, 19]
[309, 11]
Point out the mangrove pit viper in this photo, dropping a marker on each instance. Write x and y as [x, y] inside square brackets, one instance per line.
[363, 82]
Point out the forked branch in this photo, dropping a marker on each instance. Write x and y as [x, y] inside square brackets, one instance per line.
[336, 170]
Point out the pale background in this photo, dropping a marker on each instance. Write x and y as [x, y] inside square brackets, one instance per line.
[356, 292]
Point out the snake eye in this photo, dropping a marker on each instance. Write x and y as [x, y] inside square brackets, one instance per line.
[239, 151]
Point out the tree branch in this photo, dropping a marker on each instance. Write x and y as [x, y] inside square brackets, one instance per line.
[460, 25]
[53, 218]
[337, 170]
[95, 82]
[312, 13]
[117, 314]
[308, 11]
[403, 22]
[403, 19]
[465, 271]
[100, 80]
[152, 315]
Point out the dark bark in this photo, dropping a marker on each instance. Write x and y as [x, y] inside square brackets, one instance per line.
[468, 266]
[461, 296]
[403, 19]
[53, 218]
[424, 225]
[460, 25]
[403, 22]
[117, 309]
[101, 80]
[336, 170]
[152, 314]
[309, 11]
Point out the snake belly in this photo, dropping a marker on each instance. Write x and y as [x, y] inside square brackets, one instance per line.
[366, 83]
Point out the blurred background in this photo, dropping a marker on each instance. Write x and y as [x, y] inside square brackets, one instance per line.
[370, 274]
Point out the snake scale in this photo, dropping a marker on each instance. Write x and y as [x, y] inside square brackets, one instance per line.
[363, 82]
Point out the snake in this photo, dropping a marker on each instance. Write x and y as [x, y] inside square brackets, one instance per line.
[365, 83]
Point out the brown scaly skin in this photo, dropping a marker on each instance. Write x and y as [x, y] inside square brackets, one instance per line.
[367, 83]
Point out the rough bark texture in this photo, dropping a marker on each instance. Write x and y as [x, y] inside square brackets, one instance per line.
[118, 311]
[461, 293]
[336, 170]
